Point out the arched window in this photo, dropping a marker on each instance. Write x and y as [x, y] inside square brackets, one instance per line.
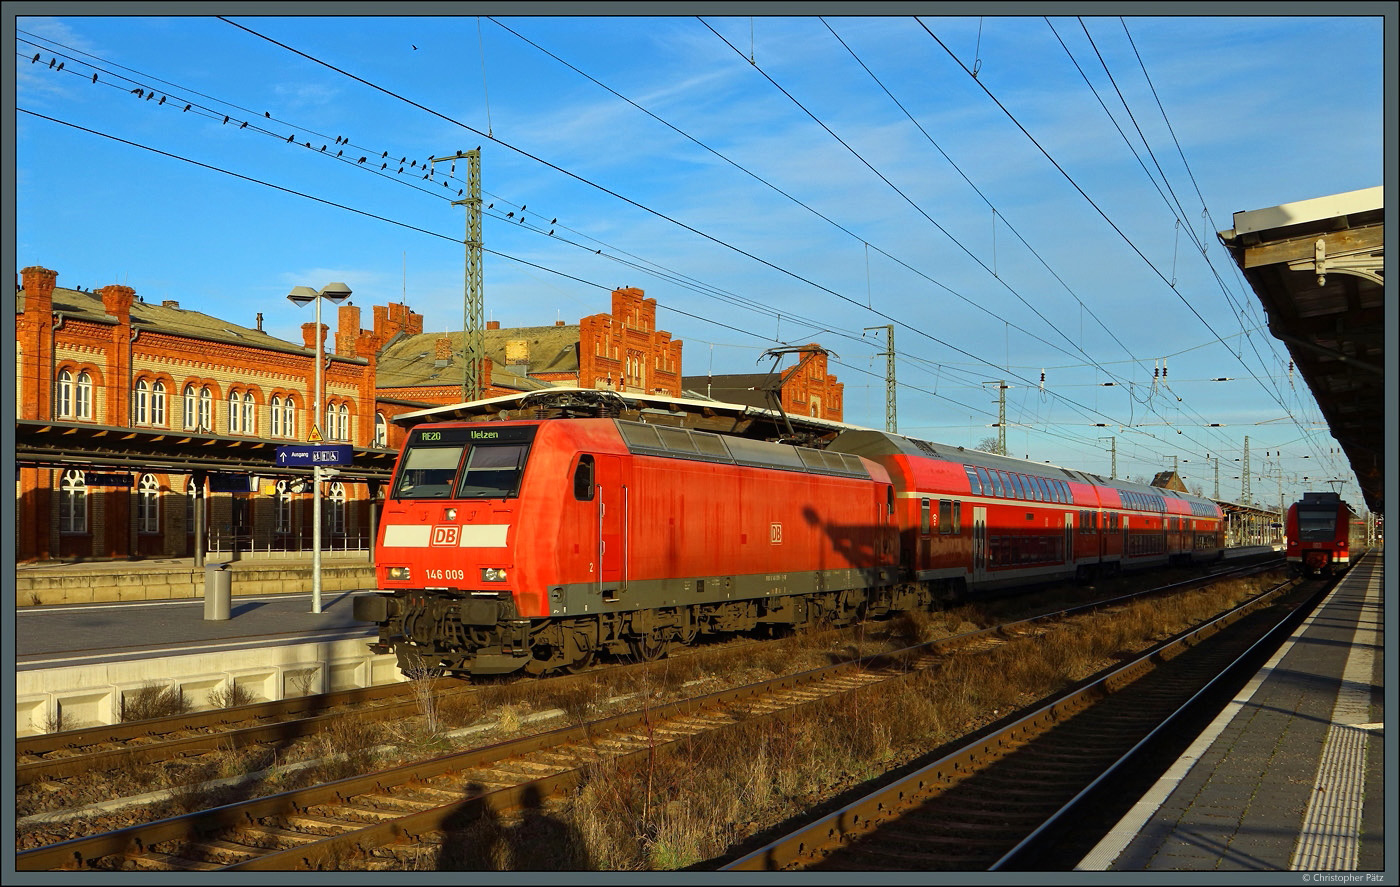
[250, 414]
[141, 403]
[381, 431]
[206, 410]
[64, 406]
[83, 404]
[191, 418]
[72, 503]
[274, 412]
[289, 417]
[344, 427]
[148, 505]
[284, 508]
[190, 490]
[335, 513]
[328, 429]
[235, 411]
[158, 404]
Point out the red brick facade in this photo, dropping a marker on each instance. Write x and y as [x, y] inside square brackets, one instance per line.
[624, 351]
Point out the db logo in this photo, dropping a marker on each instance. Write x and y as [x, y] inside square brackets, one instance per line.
[445, 535]
[775, 533]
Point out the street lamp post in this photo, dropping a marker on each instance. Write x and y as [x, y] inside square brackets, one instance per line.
[301, 295]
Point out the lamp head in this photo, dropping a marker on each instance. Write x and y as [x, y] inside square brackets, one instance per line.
[336, 292]
[302, 295]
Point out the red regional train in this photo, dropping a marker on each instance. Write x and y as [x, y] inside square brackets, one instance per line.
[536, 544]
[1324, 534]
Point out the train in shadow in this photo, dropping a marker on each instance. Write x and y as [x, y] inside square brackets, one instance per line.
[1324, 535]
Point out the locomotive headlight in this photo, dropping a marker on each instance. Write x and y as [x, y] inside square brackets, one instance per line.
[492, 574]
[398, 573]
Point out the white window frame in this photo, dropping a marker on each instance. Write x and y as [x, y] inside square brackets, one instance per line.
[72, 502]
[148, 505]
[158, 404]
[82, 403]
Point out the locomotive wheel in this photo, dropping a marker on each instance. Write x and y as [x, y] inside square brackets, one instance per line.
[581, 663]
[649, 648]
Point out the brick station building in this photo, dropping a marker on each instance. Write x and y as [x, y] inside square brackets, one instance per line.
[105, 365]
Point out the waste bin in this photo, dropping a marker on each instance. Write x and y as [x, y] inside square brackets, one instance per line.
[218, 589]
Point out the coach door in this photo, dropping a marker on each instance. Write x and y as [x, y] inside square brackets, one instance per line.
[612, 526]
[1069, 538]
[979, 543]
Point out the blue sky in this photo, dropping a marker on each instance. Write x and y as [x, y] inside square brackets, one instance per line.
[762, 178]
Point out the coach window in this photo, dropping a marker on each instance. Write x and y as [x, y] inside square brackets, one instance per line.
[925, 519]
[957, 518]
[945, 516]
[974, 483]
[583, 479]
[889, 502]
[986, 481]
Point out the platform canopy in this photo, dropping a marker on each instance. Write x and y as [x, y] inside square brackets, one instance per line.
[1317, 267]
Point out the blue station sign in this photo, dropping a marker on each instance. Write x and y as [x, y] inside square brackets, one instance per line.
[315, 454]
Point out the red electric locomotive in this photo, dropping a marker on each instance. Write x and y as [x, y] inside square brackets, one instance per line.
[534, 544]
[1324, 535]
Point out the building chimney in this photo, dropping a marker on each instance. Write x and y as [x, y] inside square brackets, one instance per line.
[558, 323]
[493, 324]
[171, 303]
[260, 329]
[116, 301]
[442, 352]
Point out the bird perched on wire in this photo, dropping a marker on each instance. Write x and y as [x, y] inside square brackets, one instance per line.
[244, 126]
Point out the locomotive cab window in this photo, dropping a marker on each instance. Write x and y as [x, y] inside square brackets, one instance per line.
[583, 479]
[493, 472]
[427, 473]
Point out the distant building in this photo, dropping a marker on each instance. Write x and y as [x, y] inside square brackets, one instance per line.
[807, 389]
[1169, 480]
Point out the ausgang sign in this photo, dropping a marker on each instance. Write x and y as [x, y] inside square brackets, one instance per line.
[315, 454]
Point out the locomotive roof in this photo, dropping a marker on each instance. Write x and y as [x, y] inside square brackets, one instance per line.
[740, 420]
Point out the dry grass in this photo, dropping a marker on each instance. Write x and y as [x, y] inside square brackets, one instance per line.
[154, 700]
[230, 695]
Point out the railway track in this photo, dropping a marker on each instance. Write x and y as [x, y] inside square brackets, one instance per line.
[1034, 793]
[320, 827]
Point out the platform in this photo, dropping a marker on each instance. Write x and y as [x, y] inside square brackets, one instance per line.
[1290, 777]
